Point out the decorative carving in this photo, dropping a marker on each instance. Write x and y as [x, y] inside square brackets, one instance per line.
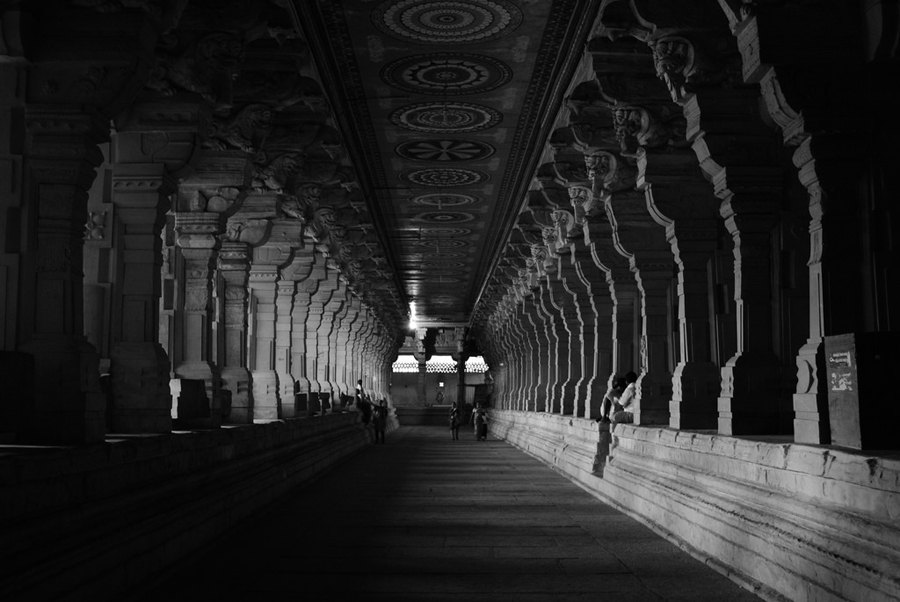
[636, 127]
[206, 67]
[245, 131]
[610, 172]
[95, 228]
[294, 207]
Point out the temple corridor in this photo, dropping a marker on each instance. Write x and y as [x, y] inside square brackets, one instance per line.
[427, 518]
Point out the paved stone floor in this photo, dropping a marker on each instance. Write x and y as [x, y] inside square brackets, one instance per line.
[427, 518]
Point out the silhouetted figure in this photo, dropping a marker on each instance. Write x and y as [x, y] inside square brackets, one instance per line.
[380, 420]
[365, 408]
[455, 419]
[481, 421]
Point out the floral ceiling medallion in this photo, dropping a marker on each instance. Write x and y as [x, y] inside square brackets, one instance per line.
[445, 150]
[446, 117]
[447, 73]
[447, 22]
[442, 200]
[444, 177]
[444, 217]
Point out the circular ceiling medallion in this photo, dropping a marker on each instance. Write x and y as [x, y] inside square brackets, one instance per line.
[446, 117]
[442, 200]
[441, 255]
[444, 177]
[445, 150]
[443, 22]
[453, 73]
[444, 243]
[441, 279]
[444, 217]
[445, 231]
[437, 265]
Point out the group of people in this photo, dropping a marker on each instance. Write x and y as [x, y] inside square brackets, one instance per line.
[374, 413]
[618, 403]
[478, 418]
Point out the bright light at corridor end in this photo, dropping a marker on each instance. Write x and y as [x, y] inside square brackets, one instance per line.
[413, 324]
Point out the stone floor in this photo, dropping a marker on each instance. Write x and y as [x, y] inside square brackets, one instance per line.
[427, 518]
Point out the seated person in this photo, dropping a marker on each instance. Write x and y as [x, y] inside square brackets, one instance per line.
[610, 401]
[626, 401]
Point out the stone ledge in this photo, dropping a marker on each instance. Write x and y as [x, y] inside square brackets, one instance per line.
[90, 522]
[793, 522]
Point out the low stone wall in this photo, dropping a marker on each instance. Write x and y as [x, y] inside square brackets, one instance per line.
[90, 522]
[791, 521]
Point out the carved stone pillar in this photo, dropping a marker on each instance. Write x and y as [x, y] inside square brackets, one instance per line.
[234, 266]
[317, 344]
[337, 310]
[335, 298]
[623, 295]
[828, 130]
[749, 402]
[575, 301]
[599, 354]
[686, 208]
[263, 284]
[537, 320]
[61, 148]
[554, 349]
[284, 305]
[651, 262]
[139, 366]
[289, 286]
[571, 343]
[197, 240]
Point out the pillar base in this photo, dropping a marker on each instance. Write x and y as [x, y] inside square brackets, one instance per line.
[239, 408]
[266, 405]
[654, 390]
[811, 398]
[210, 376]
[749, 402]
[695, 391]
[141, 400]
[69, 406]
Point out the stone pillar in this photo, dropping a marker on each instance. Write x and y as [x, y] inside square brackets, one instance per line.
[300, 333]
[234, 266]
[197, 240]
[331, 298]
[749, 195]
[831, 149]
[61, 151]
[139, 366]
[263, 283]
[554, 350]
[289, 285]
[599, 354]
[575, 311]
[682, 204]
[543, 353]
[567, 311]
[651, 263]
[622, 293]
[336, 310]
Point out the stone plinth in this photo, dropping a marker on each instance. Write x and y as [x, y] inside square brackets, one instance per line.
[17, 376]
[863, 412]
[731, 502]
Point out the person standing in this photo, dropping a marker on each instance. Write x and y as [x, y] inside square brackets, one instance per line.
[481, 424]
[380, 420]
[454, 421]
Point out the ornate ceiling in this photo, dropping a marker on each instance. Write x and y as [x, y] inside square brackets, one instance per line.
[445, 107]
